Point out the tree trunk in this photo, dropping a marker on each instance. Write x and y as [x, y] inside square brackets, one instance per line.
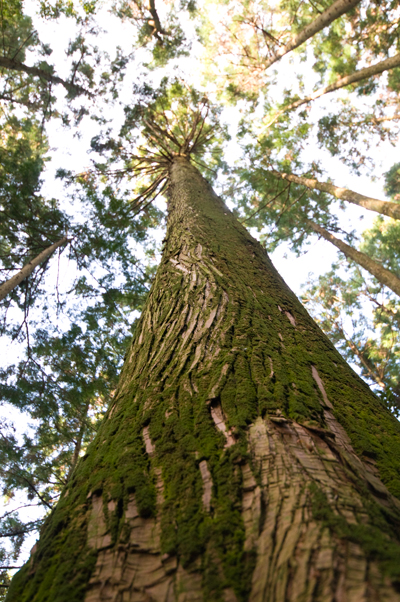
[10, 284]
[381, 274]
[341, 82]
[330, 14]
[241, 460]
[78, 442]
[382, 207]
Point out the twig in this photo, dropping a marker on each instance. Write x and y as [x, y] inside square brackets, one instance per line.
[264, 205]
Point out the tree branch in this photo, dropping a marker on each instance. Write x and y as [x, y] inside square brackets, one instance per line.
[155, 22]
[27, 270]
[13, 65]
[333, 12]
[341, 82]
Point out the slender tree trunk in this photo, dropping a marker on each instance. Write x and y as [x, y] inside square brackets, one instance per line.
[78, 442]
[330, 14]
[368, 365]
[341, 82]
[241, 460]
[383, 207]
[9, 285]
[7, 63]
[382, 274]
[155, 22]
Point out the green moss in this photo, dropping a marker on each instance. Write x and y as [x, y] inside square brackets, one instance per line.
[59, 572]
[374, 538]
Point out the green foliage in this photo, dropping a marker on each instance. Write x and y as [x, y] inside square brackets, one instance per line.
[166, 40]
[29, 223]
[78, 9]
[350, 134]
[76, 343]
[392, 182]
[32, 82]
[246, 36]
[382, 242]
[279, 209]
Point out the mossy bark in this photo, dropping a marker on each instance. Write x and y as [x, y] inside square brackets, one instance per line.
[242, 459]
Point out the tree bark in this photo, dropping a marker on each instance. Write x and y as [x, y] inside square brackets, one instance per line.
[7, 63]
[156, 23]
[384, 207]
[241, 459]
[341, 82]
[381, 274]
[9, 285]
[333, 12]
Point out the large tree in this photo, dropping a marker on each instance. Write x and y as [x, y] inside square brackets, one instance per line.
[350, 43]
[241, 458]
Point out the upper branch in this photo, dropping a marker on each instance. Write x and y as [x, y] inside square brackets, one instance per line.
[383, 207]
[158, 29]
[341, 82]
[333, 12]
[36, 71]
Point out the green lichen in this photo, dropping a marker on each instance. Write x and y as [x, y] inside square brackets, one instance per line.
[62, 565]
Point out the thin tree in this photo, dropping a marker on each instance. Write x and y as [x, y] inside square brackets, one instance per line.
[242, 458]
[9, 285]
[341, 82]
[383, 275]
[383, 207]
